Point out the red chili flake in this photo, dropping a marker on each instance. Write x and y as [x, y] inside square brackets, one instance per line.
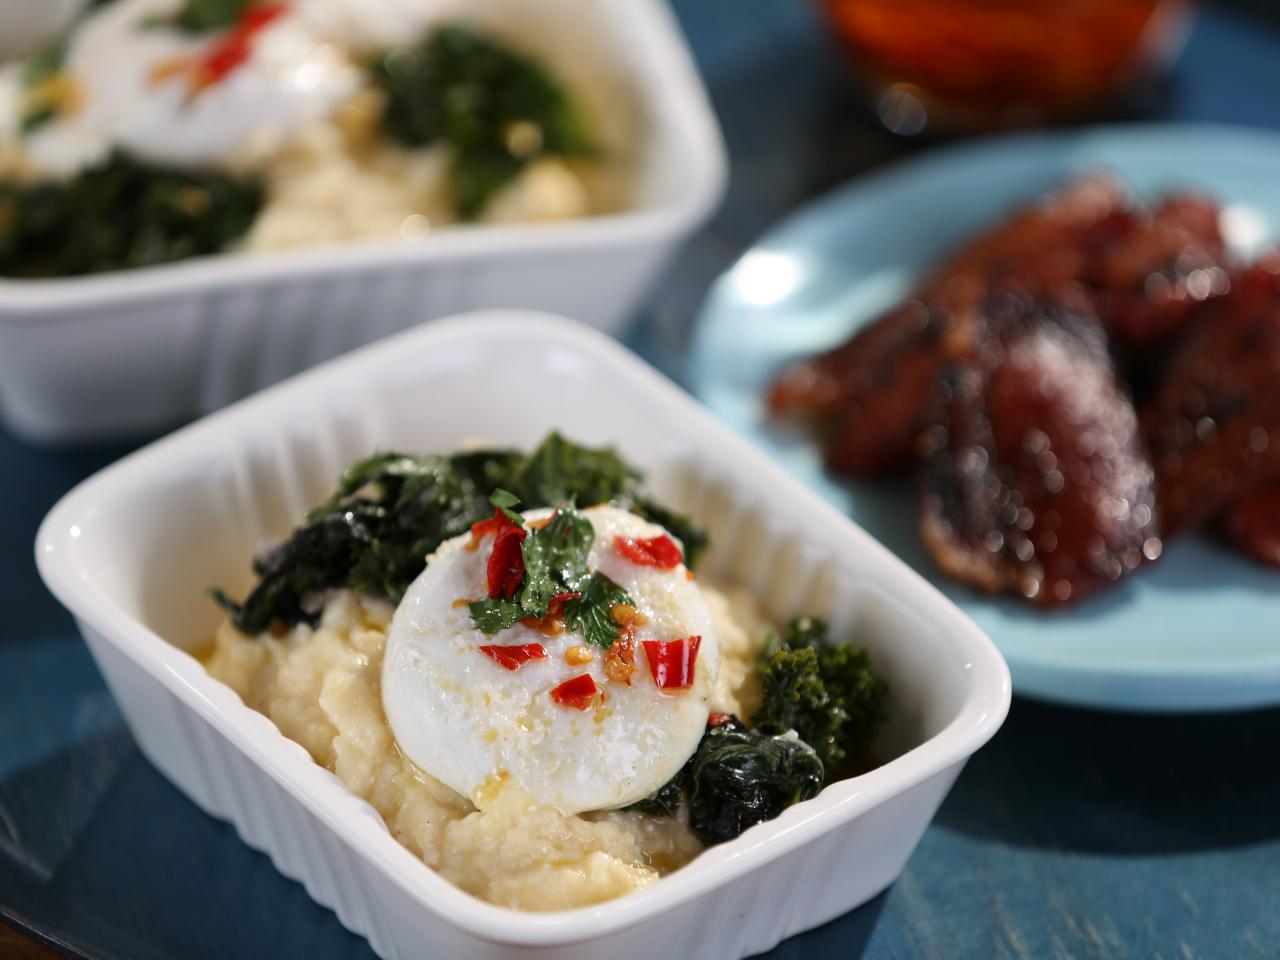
[233, 50]
[718, 719]
[620, 661]
[660, 552]
[516, 656]
[671, 661]
[579, 692]
[506, 564]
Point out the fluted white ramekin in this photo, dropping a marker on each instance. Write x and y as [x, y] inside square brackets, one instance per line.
[134, 351]
[132, 550]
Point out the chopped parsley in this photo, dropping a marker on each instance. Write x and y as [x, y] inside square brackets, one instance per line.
[555, 565]
[592, 614]
[505, 500]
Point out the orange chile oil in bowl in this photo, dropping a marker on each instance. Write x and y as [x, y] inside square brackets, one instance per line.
[983, 64]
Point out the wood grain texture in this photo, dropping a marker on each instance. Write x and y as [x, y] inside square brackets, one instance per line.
[15, 945]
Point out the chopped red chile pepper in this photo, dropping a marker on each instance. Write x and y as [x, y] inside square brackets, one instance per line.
[579, 692]
[516, 656]
[506, 564]
[672, 661]
[661, 552]
[718, 719]
[233, 50]
[482, 528]
[555, 607]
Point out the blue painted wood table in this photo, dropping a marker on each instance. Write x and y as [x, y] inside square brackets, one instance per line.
[1074, 834]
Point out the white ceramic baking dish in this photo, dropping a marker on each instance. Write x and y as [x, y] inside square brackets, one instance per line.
[135, 351]
[132, 550]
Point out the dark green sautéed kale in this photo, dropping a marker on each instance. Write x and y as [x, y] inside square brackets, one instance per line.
[823, 691]
[498, 109]
[121, 214]
[821, 707]
[393, 509]
[736, 779]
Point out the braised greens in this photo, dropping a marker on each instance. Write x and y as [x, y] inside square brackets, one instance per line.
[393, 509]
[823, 691]
[821, 707]
[120, 214]
[496, 108]
[736, 779]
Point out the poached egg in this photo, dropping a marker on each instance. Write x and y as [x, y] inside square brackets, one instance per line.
[125, 64]
[465, 718]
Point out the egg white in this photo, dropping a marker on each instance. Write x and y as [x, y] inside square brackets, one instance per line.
[293, 77]
[464, 719]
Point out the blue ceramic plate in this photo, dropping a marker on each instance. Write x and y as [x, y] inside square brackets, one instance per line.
[1201, 629]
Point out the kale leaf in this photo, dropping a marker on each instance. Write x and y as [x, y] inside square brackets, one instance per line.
[738, 778]
[825, 692]
[392, 510]
[374, 534]
[118, 215]
[665, 801]
[320, 555]
[498, 109]
[559, 470]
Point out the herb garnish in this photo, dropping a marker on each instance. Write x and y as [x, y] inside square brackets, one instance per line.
[498, 109]
[592, 614]
[555, 565]
[393, 509]
[118, 215]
